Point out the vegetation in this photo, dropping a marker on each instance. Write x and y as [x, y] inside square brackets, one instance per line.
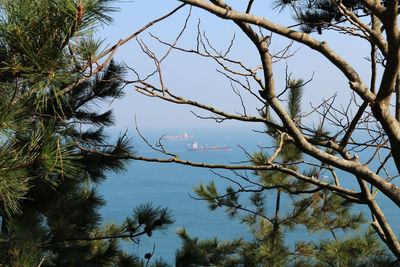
[278, 205]
[49, 205]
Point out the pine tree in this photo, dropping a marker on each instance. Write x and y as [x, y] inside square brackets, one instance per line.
[318, 210]
[318, 15]
[49, 203]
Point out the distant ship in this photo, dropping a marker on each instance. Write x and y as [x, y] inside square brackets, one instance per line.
[196, 147]
[178, 137]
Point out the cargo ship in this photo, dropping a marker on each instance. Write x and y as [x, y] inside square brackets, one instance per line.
[178, 137]
[196, 147]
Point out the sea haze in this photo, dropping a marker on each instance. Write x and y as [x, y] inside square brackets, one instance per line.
[170, 185]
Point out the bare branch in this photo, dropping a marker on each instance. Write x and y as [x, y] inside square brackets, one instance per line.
[355, 80]
[269, 166]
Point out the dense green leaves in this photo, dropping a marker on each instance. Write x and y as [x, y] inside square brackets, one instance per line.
[49, 205]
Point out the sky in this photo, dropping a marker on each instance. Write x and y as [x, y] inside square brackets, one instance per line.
[196, 78]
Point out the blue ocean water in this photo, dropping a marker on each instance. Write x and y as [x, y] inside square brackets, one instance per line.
[170, 185]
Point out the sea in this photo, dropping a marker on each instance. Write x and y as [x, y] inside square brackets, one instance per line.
[171, 185]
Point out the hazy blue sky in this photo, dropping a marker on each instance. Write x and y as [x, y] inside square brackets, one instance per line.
[196, 78]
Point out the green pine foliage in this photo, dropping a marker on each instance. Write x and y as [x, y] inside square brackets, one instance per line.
[49, 205]
[206, 252]
[277, 205]
[315, 15]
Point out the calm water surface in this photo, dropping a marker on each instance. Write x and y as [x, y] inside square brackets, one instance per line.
[170, 185]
